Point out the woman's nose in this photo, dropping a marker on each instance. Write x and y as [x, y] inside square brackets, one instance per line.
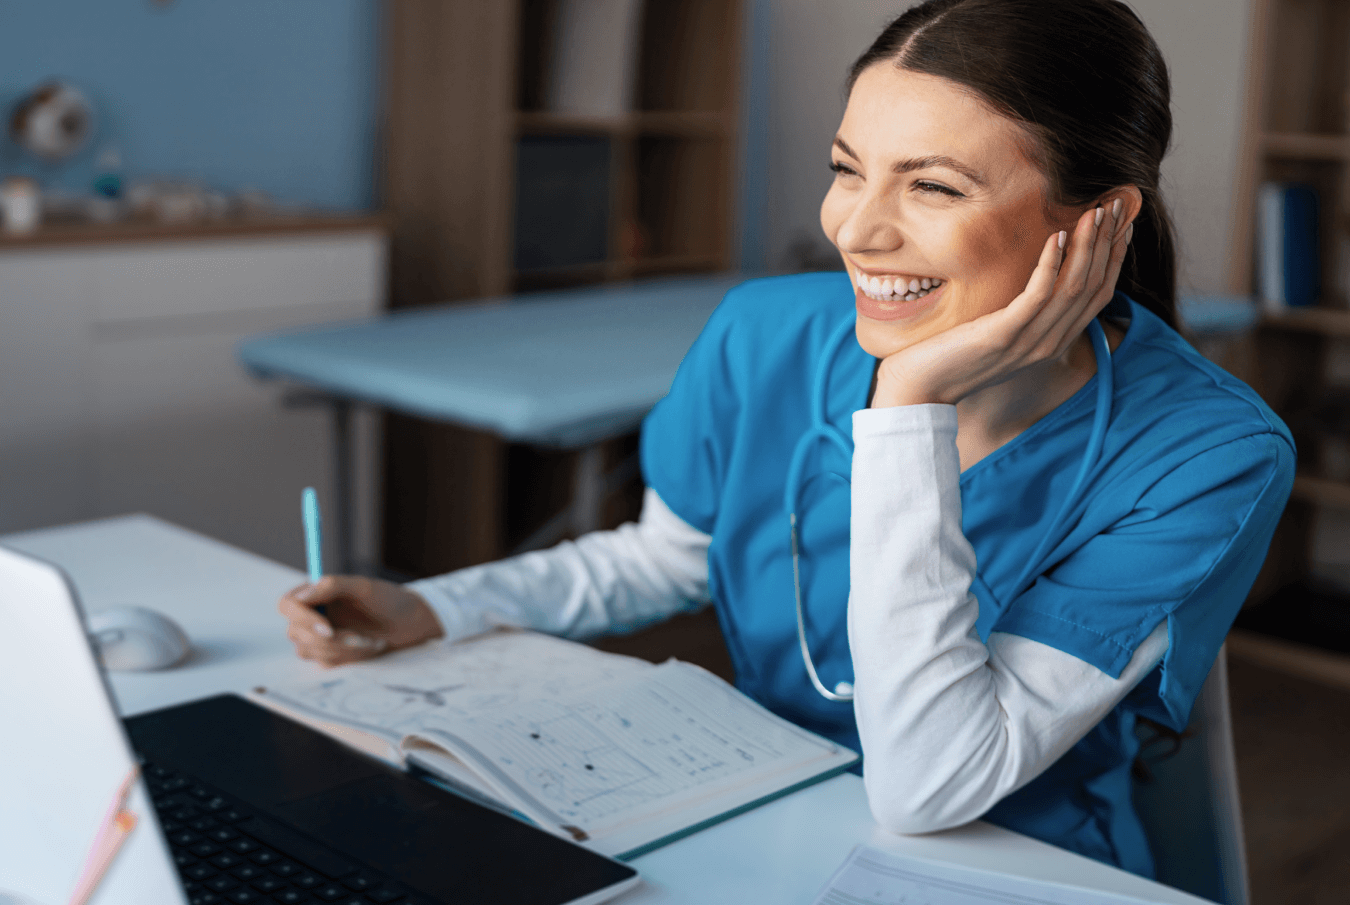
[871, 225]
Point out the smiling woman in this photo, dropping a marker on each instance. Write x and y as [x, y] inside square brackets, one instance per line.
[974, 507]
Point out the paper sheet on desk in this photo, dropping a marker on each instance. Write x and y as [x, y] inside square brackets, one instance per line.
[870, 876]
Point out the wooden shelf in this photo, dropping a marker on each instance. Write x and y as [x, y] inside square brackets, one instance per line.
[676, 123]
[623, 269]
[1323, 491]
[66, 234]
[1314, 319]
[673, 263]
[1306, 146]
[1304, 661]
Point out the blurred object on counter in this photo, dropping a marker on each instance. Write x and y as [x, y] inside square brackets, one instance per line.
[177, 202]
[20, 205]
[53, 122]
[107, 205]
[255, 203]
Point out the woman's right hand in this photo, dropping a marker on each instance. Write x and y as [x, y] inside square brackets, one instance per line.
[362, 617]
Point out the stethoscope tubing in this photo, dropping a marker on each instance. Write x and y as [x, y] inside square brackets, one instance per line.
[821, 429]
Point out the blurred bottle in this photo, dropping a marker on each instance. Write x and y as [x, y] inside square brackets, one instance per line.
[107, 204]
[108, 174]
[20, 205]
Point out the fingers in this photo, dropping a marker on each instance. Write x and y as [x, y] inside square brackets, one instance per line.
[1043, 278]
[320, 637]
[1115, 261]
[344, 647]
[295, 605]
[1079, 296]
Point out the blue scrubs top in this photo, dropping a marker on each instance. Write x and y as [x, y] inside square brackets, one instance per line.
[1171, 523]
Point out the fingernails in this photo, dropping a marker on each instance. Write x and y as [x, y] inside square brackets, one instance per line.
[1115, 209]
[1097, 219]
[322, 629]
[304, 592]
[360, 642]
[1063, 237]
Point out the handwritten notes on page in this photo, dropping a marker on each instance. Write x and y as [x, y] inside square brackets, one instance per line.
[620, 753]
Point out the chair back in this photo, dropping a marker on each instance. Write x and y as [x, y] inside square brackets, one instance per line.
[1190, 809]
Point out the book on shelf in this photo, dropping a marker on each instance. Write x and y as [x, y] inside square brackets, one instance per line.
[610, 751]
[593, 57]
[1288, 265]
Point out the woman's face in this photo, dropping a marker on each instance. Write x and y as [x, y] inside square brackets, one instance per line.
[930, 185]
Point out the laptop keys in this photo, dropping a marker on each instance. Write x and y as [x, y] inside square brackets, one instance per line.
[222, 863]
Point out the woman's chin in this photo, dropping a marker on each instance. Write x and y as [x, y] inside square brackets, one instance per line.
[898, 327]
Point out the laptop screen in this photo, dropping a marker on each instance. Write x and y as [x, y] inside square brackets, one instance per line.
[65, 755]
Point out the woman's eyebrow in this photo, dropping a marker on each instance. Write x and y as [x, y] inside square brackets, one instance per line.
[940, 160]
[923, 163]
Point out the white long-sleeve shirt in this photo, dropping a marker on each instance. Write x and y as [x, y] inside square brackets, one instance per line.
[949, 725]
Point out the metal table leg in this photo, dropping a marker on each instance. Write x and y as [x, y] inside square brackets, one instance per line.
[590, 486]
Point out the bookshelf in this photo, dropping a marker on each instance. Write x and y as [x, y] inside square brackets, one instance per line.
[668, 156]
[1297, 129]
[492, 189]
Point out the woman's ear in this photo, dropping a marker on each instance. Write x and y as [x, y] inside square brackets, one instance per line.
[1131, 202]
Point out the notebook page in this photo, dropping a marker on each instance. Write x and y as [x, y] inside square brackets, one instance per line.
[394, 695]
[617, 754]
[870, 876]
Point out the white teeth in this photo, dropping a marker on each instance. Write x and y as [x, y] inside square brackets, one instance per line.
[891, 289]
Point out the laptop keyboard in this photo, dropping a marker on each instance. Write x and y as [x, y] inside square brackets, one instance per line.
[227, 855]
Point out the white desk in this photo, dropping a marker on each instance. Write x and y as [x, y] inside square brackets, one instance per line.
[781, 853]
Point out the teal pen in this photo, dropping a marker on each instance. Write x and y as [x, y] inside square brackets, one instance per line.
[309, 512]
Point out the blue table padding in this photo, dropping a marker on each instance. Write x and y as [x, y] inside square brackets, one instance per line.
[560, 368]
[1217, 314]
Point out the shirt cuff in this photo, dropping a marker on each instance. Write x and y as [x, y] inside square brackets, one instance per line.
[931, 417]
[455, 618]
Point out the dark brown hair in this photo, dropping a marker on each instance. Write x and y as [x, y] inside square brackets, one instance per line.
[1085, 79]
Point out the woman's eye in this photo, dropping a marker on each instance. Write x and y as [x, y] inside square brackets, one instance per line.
[842, 169]
[939, 188]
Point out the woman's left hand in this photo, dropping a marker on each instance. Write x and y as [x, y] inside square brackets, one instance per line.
[1064, 294]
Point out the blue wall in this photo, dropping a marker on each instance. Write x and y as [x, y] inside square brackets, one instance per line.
[277, 95]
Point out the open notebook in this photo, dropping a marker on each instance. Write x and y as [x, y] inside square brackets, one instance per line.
[616, 753]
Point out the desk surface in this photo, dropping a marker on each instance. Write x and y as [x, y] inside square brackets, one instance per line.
[552, 368]
[781, 853]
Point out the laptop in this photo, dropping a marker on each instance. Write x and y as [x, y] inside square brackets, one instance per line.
[233, 804]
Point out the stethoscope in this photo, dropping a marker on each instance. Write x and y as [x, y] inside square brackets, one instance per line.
[821, 430]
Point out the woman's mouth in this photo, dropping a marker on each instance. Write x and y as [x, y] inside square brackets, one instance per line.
[896, 288]
[896, 296]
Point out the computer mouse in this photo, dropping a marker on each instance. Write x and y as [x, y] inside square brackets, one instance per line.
[134, 639]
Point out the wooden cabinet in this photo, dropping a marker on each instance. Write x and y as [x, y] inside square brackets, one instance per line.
[1297, 129]
[120, 390]
[493, 192]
